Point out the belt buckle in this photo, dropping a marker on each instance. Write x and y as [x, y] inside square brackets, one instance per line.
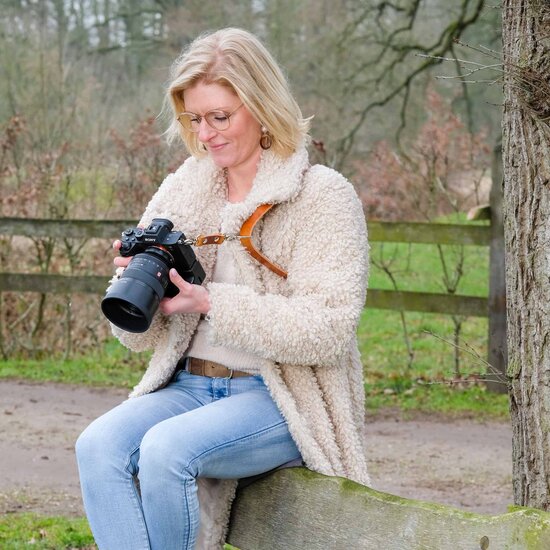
[230, 374]
[217, 366]
[215, 370]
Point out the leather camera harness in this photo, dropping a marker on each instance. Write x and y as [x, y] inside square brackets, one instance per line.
[245, 236]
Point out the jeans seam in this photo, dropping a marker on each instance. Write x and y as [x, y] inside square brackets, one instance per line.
[136, 499]
[186, 499]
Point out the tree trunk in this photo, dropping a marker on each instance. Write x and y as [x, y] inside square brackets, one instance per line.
[526, 159]
[497, 355]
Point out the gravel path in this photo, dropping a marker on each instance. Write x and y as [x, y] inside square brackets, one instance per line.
[463, 463]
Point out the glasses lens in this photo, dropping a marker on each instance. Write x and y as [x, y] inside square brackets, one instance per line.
[189, 122]
[218, 120]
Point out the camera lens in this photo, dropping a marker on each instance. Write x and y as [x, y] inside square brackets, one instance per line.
[132, 301]
[129, 309]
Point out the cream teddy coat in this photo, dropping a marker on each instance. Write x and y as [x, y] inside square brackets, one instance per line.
[303, 329]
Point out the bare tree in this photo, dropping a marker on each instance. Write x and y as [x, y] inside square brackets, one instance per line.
[371, 61]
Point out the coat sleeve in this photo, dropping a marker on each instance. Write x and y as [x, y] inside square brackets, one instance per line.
[316, 321]
[148, 339]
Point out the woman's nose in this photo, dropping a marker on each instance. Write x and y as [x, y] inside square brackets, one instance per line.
[205, 131]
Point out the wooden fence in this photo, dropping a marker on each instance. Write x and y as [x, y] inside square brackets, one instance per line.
[378, 232]
[445, 234]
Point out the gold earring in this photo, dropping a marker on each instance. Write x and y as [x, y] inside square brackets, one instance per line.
[266, 140]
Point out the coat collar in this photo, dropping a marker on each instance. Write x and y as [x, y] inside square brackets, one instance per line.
[277, 180]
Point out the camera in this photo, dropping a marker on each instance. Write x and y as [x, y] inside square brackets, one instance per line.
[131, 301]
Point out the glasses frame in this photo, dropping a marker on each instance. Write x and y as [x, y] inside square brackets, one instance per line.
[200, 118]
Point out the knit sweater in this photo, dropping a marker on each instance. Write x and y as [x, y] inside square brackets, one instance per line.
[233, 358]
[302, 328]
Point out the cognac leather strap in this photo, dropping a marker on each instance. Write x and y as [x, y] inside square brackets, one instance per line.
[245, 236]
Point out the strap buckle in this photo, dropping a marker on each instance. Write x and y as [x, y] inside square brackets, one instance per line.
[216, 238]
[245, 236]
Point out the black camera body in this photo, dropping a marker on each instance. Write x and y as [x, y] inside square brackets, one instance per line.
[131, 301]
[160, 236]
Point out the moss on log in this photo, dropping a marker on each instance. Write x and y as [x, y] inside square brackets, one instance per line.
[299, 509]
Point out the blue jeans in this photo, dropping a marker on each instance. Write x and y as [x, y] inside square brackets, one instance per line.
[194, 427]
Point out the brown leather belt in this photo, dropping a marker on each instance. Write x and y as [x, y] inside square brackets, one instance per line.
[203, 367]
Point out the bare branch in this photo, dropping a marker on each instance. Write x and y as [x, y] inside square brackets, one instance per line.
[433, 54]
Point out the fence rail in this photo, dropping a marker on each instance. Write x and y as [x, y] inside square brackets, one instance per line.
[447, 234]
[428, 302]
[73, 229]
[413, 232]
[430, 233]
[48, 283]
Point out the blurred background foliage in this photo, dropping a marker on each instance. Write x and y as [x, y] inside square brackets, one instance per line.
[78, 74]
[406, 102]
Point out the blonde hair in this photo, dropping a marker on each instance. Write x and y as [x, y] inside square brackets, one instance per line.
[237, 59]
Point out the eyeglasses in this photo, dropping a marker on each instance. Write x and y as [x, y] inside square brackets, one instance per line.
[217, 119]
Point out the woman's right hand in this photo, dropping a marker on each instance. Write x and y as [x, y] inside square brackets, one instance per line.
[120, 261]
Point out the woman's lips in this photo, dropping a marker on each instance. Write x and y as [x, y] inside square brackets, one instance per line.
[215, 147]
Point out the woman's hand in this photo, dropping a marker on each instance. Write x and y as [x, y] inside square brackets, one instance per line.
[190, 298]
[120, 261]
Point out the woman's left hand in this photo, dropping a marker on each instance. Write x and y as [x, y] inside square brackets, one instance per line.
[190, 298]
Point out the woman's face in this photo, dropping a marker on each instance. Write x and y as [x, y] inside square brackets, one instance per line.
[239, 145]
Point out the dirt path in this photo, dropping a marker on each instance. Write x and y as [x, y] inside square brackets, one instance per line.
[463, 463]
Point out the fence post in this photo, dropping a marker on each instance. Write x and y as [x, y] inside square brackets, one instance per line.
[497, 348]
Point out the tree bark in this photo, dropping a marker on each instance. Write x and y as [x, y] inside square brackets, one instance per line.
[526, 160]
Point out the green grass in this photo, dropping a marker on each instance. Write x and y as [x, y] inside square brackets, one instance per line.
[111, 366]
[23, 531]
[431, 383]
[419, 267]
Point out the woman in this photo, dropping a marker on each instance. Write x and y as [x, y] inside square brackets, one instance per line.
[252, 369]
